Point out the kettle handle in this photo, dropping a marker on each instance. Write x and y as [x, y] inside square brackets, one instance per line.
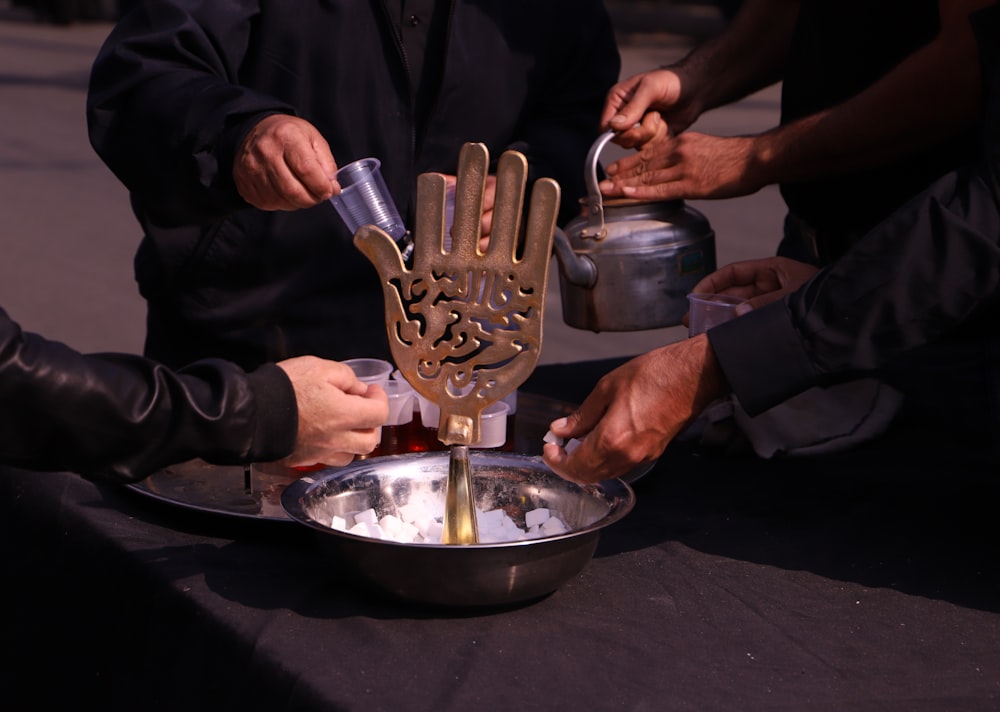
[593, 203]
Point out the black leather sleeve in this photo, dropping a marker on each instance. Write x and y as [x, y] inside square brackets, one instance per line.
[122, 417]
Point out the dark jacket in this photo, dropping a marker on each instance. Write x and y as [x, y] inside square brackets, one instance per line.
[123, 417]
[916, 301]
[179, 83]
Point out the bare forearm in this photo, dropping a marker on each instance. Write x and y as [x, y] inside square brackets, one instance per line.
[929, 97]
[747, 56]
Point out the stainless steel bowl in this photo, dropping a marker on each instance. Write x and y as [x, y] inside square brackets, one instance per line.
[485, 574]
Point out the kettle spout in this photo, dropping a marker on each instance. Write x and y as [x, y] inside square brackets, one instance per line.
[579, 270]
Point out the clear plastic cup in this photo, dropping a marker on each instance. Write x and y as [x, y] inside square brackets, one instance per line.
[370, 370]
[430, 416]
[493, 426]
[401, 396]
[397, 375]
[511, 400]
[708, 310]
[364, 198]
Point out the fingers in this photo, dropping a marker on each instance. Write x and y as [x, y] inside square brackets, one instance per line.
[486, 222]
[636, 96]
[662, 184]
[508, 203]
[542, 215]
[691, 165]
[653, 169]
[284, 164]
[432, 196]
[327, 167]
[652, 129]
[759, 282]
[617, 99]
[587, 464]
[736, 275]
[381, 250]
[488, 209]
[636, 410]
[473, 169]
[584, 464]
[754, 278]
[333, 459]
[338, 415]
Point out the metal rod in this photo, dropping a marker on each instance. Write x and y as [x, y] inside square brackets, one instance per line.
[459, 510]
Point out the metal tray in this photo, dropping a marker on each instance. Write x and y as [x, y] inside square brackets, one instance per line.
[255, 493]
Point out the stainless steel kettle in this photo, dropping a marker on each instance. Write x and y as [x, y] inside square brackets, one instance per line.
[628, 265]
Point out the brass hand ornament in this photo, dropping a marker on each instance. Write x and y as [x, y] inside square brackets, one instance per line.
[464, 325]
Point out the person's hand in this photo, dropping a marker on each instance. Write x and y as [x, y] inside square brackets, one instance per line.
[489, 199]
[285, 164]
[687, 167]
[636, 410]
[761, 281]
[339, 416]
[633, 107]
[650, 131]
[467, 312]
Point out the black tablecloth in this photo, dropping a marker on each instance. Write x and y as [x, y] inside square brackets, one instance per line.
[861, 581]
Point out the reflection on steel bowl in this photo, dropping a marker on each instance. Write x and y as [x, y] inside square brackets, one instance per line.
[484, 574]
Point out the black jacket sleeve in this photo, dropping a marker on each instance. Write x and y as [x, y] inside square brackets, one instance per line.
[922, 276]
[122, 417]
[165, 106]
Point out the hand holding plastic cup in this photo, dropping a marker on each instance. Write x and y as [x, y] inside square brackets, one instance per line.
[368, 370]
[364, 198]
[707, 310]
[371, 370]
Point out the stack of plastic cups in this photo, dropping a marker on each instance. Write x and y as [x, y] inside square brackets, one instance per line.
[365, 199]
